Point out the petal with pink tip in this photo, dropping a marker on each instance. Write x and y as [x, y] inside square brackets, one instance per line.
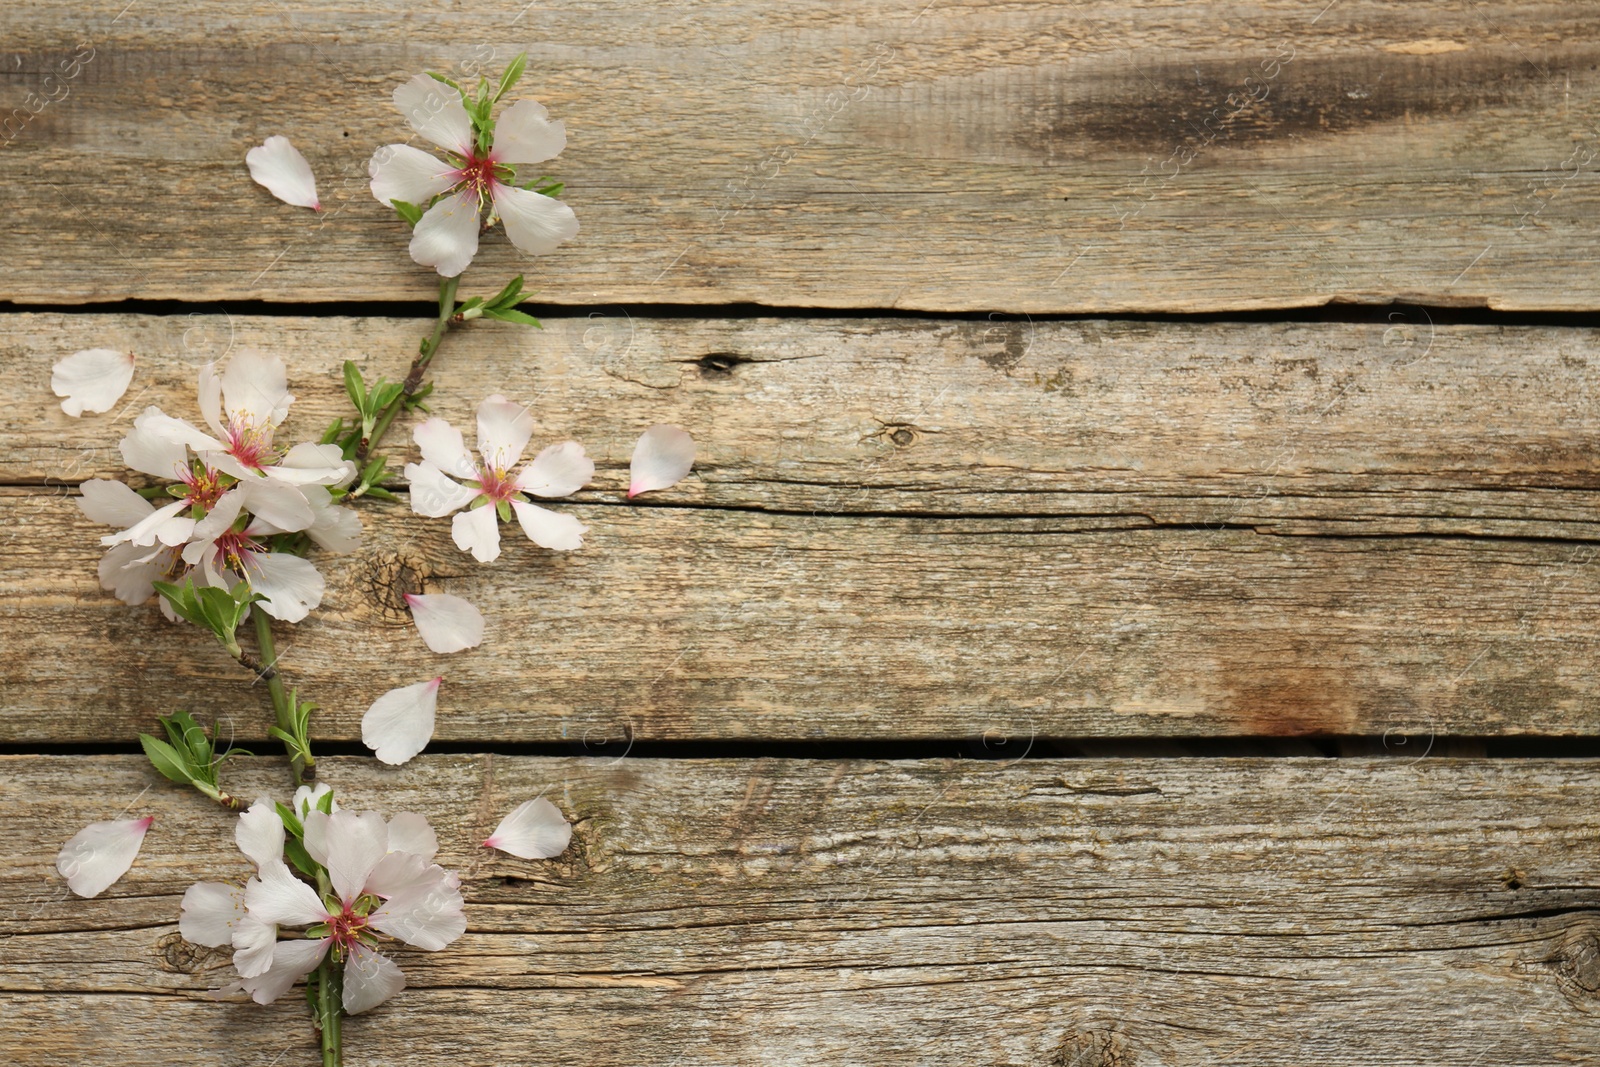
[447, 623]
[209, 913]
[524, 134]
[92, 380]
[446, 237]
[370, 978]
[559, 470]
[278, 165]
[113, 503]
[537, 224]
[478, 531]
[661, 457]
[399, 724]
[435, 111]
[101, 853]
[442, 446]
[503, 432]
[534, 830]
[549, 529]
[402, 172]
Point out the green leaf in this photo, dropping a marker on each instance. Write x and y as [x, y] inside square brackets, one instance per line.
[411, 213]
[166, 759]
[512, 315]
[181, 600]
[554, 189]
[385, 394]
[512, 75]
[380, 493]
[504, 508]
[508, 296]
[325, 803]
[467, 305]
[331, 434]
[442, 78]
[355, 385]
[291, 821]
[299, 858]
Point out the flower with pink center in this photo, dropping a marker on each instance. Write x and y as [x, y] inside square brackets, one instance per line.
[493, 490]
[476, 176]
[222, 556]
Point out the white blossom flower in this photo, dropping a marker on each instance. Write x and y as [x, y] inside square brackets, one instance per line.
[278, 165]
[222, 557]
[92, 380]
[399, 724]
[493, 491]
[446, 237]
[101, 853]
[213, 913]
[661, 457]
[447, 623]
[533, 830]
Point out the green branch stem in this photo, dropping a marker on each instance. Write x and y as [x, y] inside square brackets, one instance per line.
[419, 367]
[330, 1010]
[303, 764]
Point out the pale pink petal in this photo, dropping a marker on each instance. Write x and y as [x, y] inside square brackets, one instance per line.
[152, 448]
[434, 495]
[400, 723]
[503, 432]
[291, 961]
[447, 623]
[549, 529]
[661, 457]
[283, 506]
[534, 830]
[443, 447]
[255, 389]
[435, 111]
[165, 524]
[128, 571]
[428, 914]
[277, 896]
[292, 585]
[397, 872]
[279, 166]
[446, 237]
[410, 833]
[101, 853]
[559, 470]
[92, 380]
[259, 833]
[524, 134]
[401, 172]
[113, 503]
[209, 912]
[478, 531]
[537, 224]
[370, 978]
[356, 841]
[253, 944]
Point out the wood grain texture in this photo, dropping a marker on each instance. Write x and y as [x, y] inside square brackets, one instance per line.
[778, 912]
[1021, 157]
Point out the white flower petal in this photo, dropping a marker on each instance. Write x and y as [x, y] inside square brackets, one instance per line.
[128, 571]
[255, 390]
[113, 503]
[370, 978]
[524, 134]
[209, 911]
[428, 915]
[259, 833]
[534, 830]
[436, 112]
[291, 961]
[447, 623]
[292, 585]
[401, 172]
[313, 464]
[356, 841]
[307, 797]
[315, 825]
[217, 521]
[209, 392]
[276, 896]
[410, 833]
[446, 237]
[537, 224]
[478, 531]
[284, 506]
[165, 524]
[278, 165]
[398, 872]
[336, 529]
[549, 529]
[503, 432]
[434, 495]
[400, 723]
[559, 470]
[661, 457]
[443, 447]
[92, 380]
[101, 853]
[152, 447]
[253, 944]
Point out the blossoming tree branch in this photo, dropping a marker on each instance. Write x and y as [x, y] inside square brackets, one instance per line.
[228, 533]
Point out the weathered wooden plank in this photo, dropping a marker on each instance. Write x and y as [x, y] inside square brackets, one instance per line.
[1392, 427]
[685, 623]
[1024, 157]
[1261, 911]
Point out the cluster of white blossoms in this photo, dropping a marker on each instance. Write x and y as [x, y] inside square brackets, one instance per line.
[233, 491]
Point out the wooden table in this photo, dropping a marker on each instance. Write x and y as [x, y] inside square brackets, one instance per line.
[1136, 599]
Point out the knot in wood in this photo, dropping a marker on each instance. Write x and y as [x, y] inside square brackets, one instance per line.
[1092, 1048]
[178, 956]
[1576, 965]
[388, 577]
